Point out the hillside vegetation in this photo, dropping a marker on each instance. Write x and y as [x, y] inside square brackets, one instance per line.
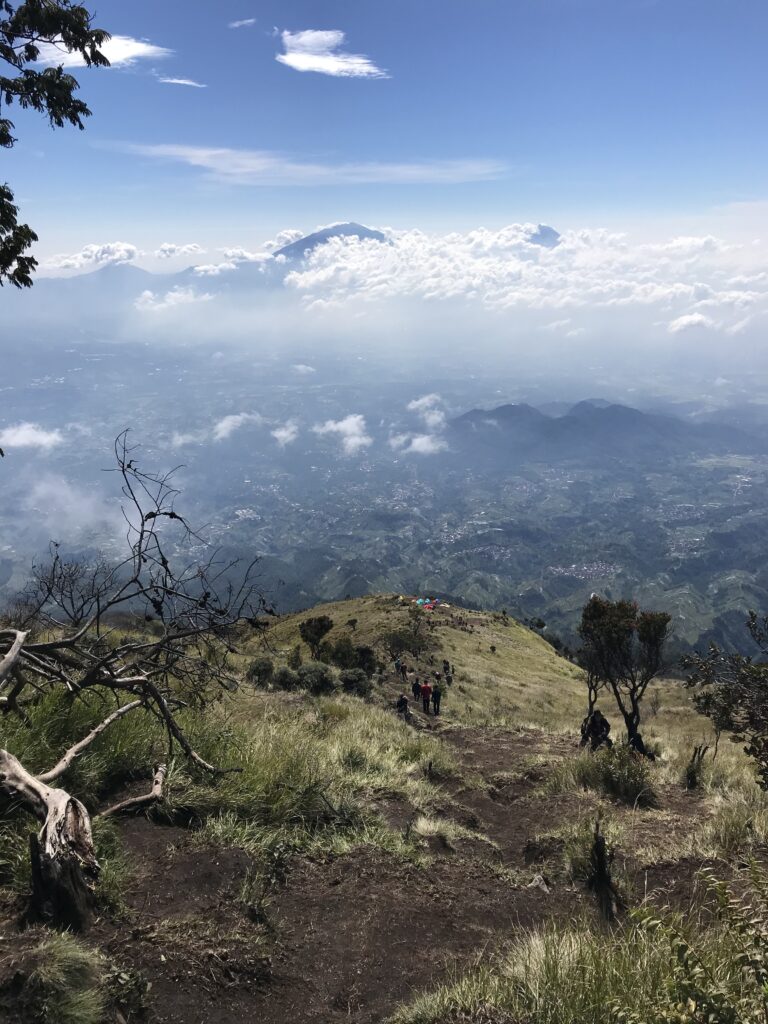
[358, 867]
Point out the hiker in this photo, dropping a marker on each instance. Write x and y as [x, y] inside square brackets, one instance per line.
[404, 672]
[402, 708]
[446, 667]
[636, 744]
[594, 730]
[426, 694]
[416, 689]
[397, 666]
[437, 694]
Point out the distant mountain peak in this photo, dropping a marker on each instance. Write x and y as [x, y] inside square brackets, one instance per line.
[298, 249]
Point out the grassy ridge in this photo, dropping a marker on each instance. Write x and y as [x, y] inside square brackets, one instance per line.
[523, 681]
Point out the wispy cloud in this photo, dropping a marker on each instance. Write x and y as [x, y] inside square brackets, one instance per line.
[242, 23]
[263, 167]
[286, 434]
[183, 81]
[689, 322]
[150, 302]
[120, 51]
[229, 424]
[320, 51]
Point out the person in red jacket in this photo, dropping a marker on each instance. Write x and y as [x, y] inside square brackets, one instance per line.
[426, 694]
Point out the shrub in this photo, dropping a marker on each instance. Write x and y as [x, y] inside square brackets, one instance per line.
[316, 677]
[355, 681]
[285, 679]
[344, 654]
[260, 671]
[294, 658]
[618, 773]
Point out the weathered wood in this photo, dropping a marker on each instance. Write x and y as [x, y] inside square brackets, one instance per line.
[9, 660]
[80, 746]
[64, 865]
[155, 795]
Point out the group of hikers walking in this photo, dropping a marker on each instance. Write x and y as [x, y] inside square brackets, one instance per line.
[428, 690]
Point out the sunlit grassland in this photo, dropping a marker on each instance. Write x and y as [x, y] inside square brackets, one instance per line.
[523, 681]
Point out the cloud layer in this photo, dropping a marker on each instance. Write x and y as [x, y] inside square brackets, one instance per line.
[321, 52]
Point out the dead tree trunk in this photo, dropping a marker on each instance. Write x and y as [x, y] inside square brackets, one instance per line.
[64, 865]
[600, 879]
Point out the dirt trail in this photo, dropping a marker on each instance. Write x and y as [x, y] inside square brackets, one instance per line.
[349, 938]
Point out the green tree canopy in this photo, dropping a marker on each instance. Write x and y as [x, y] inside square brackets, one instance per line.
[49, 91]
[732, 691]
[313, 630]
[624, 649]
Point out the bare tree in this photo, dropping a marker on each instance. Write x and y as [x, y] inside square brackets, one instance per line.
[176, 619]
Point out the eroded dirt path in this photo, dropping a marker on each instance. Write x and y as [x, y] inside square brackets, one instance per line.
[349, 938]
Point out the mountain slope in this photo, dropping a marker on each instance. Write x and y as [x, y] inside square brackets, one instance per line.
[591, 430]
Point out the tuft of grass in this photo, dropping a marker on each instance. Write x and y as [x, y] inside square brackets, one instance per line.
[65, 983]
[618, 773]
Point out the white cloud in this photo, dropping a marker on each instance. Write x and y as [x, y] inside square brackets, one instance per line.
[425, 444]
[214, 269]
[689, 322]
[398, 441]
[283, 238]
[181, 438]
[29, 435]
[286, 434]
[229, 424]
[320, 51]
[303, 369]
[150, 302]
[263, 167]
[183, 81]
[242, 23]
[120, 51]
[96, 256]
[417, 444]
[351, 431]
[238, 255]
[169, 249]
[428, 408]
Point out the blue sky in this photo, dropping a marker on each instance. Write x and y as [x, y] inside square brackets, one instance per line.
[466, 112]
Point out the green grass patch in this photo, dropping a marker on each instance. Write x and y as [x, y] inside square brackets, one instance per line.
[617, 773]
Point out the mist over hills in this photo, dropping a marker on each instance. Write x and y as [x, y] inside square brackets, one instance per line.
[496, 492]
